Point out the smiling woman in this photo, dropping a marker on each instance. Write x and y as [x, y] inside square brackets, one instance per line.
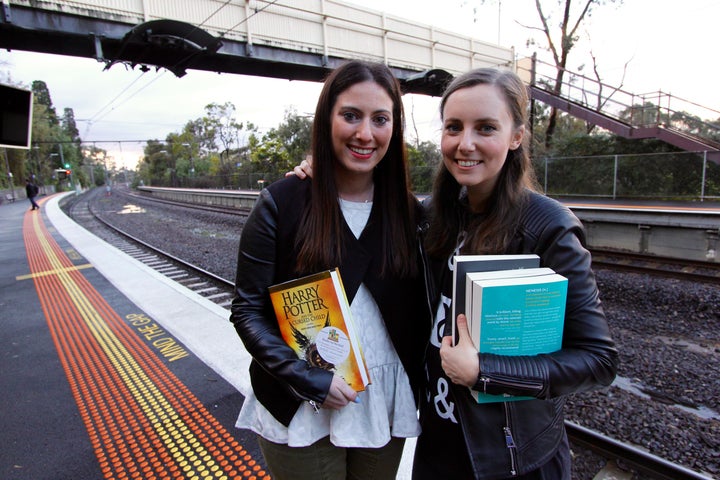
[478, 132]
[362, 125]
[356, 214]
[485, 202]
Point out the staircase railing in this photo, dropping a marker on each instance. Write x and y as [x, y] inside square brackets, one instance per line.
[654, 109]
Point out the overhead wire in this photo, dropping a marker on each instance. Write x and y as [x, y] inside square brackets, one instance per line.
[222, 34]
[104, 110]
[93, 118]
[273, 2]
[102, 113]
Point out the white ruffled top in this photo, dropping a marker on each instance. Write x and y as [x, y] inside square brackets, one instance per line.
[386, 407]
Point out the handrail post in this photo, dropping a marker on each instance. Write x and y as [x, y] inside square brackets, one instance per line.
[615, 170]
[533, 69]
[704, 169]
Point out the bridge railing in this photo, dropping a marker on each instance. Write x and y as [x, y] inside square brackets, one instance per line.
[328, 28]
[637, 110]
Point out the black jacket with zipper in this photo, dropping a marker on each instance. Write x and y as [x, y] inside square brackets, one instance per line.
[506, 439]
[268, 255]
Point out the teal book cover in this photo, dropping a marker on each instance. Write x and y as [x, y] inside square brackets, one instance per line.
[517, 316]
[464, 264]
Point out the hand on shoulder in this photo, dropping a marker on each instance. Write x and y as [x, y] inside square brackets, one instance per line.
[304, 170]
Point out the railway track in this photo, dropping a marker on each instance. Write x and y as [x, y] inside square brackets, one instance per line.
[211, 286]
[681, 269]
[694, 271]
[220, 291]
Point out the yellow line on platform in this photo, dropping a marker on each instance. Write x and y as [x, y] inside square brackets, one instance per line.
[53, 272]
[186, 449]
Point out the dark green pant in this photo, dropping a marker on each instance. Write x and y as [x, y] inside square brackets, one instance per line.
[324, 461]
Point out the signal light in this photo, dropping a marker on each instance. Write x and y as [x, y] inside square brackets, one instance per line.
[68, 172]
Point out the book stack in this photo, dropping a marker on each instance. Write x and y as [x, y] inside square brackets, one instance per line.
[518, 309]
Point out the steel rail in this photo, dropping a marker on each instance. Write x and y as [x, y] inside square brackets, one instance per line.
[691, 270]
[602, 445]
[640, 460]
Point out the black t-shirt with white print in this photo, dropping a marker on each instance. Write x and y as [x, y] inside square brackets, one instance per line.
[441, 436]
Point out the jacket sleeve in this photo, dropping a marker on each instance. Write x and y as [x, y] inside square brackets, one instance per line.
[252, 313]
[588, 357]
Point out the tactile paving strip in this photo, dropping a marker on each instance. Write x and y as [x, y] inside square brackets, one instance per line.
[142, 421]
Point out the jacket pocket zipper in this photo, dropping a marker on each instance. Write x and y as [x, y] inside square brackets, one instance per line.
[530, 386]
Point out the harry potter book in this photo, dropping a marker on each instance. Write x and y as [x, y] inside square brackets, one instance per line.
[315, 320]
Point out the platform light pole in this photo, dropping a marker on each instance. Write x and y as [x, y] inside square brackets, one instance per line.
[9, 174]
[50, 157]
[37, 175]
[67, 166]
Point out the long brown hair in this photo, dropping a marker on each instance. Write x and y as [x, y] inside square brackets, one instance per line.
[492, 231]
[323, 219]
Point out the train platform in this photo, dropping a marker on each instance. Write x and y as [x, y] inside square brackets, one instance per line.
[112, 370]
[109, 369]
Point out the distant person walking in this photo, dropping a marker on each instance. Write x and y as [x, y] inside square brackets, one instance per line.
[31, 190]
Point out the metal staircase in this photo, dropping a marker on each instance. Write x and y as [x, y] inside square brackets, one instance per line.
[684, 125]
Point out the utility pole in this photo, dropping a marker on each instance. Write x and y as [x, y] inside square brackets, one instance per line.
[9, 174]
[72, 176]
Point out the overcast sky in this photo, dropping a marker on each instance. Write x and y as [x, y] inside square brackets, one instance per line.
[670, 46]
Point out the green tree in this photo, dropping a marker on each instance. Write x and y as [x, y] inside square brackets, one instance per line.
[43, 135]
[69, 126]
[95, 161]
[568, 18]
[423, 160]
[47, 136]
[70, 142]
[295, 133]
[283, 147]
[41, 95]
[157, 161]
[220, 128]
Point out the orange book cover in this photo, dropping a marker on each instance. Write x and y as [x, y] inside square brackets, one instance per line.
[315, 320]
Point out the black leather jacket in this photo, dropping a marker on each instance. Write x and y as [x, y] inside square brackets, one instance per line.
[513, 438]
[268, 255]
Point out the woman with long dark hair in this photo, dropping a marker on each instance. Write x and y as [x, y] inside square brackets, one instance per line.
[356, 214]
[484, 202]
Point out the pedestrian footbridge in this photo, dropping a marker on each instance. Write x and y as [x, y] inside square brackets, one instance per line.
[269, 38]
[304, 40]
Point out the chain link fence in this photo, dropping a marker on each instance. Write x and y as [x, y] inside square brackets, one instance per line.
[687, 176]
[684, 176]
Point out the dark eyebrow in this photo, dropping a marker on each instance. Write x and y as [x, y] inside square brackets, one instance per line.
[487, 120]
[358, 109]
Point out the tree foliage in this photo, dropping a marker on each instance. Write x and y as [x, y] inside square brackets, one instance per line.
[423, 160]
[560, 28]
[283, 147]
[55, 143]
[220, 151]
